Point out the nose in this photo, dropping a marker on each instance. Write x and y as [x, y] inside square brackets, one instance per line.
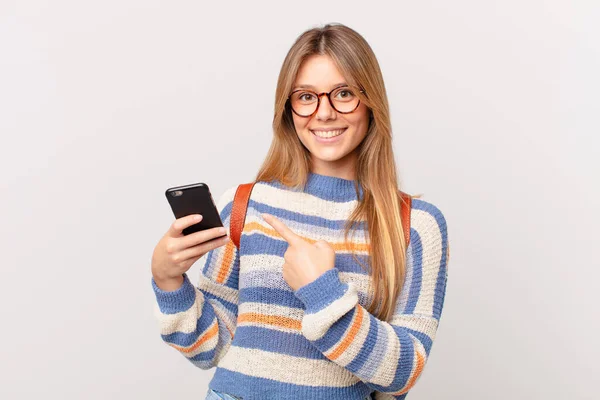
[325, 110]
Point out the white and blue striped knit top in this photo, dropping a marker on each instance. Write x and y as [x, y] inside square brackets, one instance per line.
[268, 341]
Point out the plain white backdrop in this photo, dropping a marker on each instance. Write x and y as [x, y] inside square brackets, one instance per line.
[103, 105]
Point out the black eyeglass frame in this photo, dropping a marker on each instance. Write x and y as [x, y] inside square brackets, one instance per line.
[319, 95]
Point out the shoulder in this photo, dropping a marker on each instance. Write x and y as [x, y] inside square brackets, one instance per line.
[225, 200]
[429, 223]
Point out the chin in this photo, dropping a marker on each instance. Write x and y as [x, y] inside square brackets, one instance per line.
[327, 157]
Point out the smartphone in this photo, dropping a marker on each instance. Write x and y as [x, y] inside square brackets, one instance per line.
[194, 199]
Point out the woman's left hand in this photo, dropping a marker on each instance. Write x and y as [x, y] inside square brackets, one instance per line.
[304, 261]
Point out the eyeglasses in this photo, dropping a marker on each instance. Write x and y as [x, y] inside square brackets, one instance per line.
[305, 102]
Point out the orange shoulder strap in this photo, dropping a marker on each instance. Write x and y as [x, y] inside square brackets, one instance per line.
[238, 211]
[405, 208]
[240, 205]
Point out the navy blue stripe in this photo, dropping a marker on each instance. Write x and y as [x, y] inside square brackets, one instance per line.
[263, 338]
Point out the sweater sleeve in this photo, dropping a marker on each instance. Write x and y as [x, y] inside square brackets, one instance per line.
[200, 321]
[387, 356]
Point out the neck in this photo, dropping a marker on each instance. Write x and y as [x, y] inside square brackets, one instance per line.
[343, 168]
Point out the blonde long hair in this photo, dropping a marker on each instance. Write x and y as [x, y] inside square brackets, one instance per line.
[289, 161]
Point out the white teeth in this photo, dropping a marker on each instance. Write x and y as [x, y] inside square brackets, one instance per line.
[328, 134]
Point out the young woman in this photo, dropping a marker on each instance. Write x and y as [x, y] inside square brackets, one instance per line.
[322, 300]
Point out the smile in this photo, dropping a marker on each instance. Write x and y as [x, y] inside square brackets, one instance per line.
[327, 136]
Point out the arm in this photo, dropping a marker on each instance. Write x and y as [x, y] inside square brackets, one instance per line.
[200, 321]
[388, 356]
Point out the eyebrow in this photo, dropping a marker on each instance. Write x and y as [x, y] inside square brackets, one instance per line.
[305, 86]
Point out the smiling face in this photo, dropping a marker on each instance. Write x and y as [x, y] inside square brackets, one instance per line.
[330, 136]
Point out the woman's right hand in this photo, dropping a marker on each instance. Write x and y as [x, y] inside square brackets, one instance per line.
[175, 253]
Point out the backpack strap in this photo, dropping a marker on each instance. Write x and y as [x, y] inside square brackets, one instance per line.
[238, 211]
[240, 205]
[405, 208]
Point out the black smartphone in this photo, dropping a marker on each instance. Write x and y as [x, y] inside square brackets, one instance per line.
[194, 199]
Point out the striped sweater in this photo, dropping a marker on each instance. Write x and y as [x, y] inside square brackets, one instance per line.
[268, 341]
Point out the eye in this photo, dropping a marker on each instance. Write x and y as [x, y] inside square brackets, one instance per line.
[344, 94]
[306, 96]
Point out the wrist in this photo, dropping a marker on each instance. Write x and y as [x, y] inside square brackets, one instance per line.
[168, 283]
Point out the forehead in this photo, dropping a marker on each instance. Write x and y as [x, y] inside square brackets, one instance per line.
[318, 72]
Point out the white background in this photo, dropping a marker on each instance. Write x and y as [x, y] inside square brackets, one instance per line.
[105, 104]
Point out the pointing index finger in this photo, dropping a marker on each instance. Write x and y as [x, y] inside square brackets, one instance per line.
[281, 228]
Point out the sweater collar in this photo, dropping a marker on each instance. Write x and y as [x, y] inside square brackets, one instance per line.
[331, 187]
[325, 187]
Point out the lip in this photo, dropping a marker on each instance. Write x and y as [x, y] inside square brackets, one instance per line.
[337, 128]
[328, 140]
